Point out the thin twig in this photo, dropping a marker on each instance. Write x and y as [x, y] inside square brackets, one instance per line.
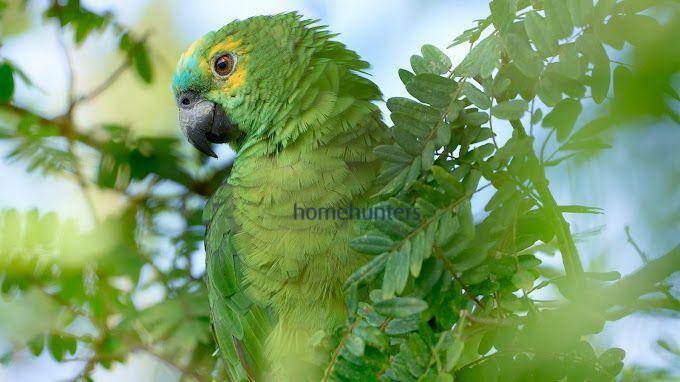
[640, 252]
[545, 144]
[110, 80]
[70, 96]
[531, 117]
[336, 353]
[570, 256]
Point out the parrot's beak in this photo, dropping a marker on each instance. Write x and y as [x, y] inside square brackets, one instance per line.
[203, 122]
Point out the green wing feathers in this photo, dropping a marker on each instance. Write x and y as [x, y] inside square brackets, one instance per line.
[240, 326]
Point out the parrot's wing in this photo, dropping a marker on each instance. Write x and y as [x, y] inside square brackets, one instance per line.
[240, 326]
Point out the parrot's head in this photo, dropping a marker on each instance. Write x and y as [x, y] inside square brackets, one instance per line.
[231, 83]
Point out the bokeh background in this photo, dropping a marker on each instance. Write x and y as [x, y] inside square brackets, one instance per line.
[636, 182]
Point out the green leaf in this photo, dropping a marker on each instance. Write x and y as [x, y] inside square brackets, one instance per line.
[405, 76]
[387, 224]
[396, 182]
[537, 30]
[510, 110]
[569, 64]
[639, 30]
[471, 35]
[411, 124]
[451, 185]
[580, 11]
[482, 59]
[142, 63]
[400, 306]
[611, 357]
[454, 111]
[476, 96]
[442, 136]
[367, 271]
[419, 251]
[449, 225]
[599, 86]
[55, 344]
[432, 89]
[355, 345]
[636, 6]
[427, 158]
[589, 144]
[422, 112]
[419, 65]
[571, 87]
[548, 91]
[603, 9]
[593, 128]
[563, 117]
[502, 195]
[576, 209]
[392, 153]
[371, 244]
[404, 325]
[467, 259]
[523, 280]
[453, 354]
[407, 140]
[524, 58]
[6, 83]
[436, 60]
[397, 270]
[36, 345]
[503, 13]
[592, 48]
[536, 117]
[559, 19]
[475, 118]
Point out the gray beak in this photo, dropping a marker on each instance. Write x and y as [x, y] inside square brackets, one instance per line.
[203, 122]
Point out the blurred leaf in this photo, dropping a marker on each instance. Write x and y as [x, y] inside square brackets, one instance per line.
[400, 306]
[589, 144]
[510, 110]
[371, 244]
[142, 64]
[482, 59]
[537, 30]
[563, 117]
[522, 55]
[476, 96]
[503, 13]
[6, 83]
[435, 59]
[559, 19]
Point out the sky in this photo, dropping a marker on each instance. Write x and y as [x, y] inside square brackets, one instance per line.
[386, 34]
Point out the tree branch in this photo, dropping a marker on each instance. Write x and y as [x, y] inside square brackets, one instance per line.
[642, 281]
[203, 187]
[570, 256]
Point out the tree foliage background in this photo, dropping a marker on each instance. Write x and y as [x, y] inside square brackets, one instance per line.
[492, 283]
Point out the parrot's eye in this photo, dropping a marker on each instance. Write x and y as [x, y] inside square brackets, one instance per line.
[224, 64]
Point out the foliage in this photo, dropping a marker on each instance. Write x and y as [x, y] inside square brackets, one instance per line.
[448, 297]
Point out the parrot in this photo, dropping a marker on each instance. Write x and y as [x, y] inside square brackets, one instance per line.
[300, 113]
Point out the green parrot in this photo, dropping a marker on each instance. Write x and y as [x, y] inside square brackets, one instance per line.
[298, 111]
